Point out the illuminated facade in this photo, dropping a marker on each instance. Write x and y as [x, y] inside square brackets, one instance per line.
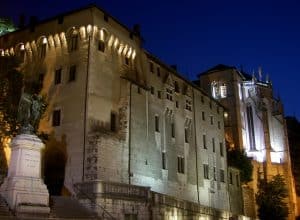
[255, 122]
[141, 140]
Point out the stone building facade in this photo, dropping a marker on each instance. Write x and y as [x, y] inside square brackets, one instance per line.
[141, 141]
[254, 121]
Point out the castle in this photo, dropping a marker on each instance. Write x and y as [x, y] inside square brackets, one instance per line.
[141, 140]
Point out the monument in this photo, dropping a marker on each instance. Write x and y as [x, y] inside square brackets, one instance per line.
[23, 188]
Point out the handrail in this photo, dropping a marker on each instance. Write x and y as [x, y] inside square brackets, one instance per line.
[104, 211]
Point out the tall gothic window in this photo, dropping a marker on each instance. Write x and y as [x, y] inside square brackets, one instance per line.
[251, 127]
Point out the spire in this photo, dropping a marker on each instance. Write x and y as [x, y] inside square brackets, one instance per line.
[260, 73]
[267, 78]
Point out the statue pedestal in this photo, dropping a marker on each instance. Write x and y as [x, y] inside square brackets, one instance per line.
[23, 188]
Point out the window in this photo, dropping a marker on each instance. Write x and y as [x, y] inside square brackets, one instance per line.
[152, 90]
[186, 135]
[74, 42]
[218, 109]
[203, 116]
[213, 144]
[219, 124]
[206, 171]
[218, 90]
[101, 46]
[222, 176]
[163, 158]
[159, 94]
[156, 123]
[173, 130]
[180, 163]
[57, 76]
[139, 90]
[151, 67]
[221, 149]
[56, 118]
[158, 71]
[169, 94]
[177, 104]
[223, 90]
[131, 217]
[250, 127]
[113, 121]
[72, 73]
[188, 105]
[204, 141]
[177, 87]
[230, 178]
[211, 120]
[215, 174]
[210, 105]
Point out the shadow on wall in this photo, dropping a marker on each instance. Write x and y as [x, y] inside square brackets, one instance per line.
[54, 161]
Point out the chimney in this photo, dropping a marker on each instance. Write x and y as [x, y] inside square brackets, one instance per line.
[174, 67]
[21, 21]
[32, 22]
[137, 29]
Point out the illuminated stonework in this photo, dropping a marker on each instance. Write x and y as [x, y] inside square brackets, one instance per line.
[255, 122]
[133, 126]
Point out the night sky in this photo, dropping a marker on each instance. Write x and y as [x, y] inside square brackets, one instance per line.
[199, 34]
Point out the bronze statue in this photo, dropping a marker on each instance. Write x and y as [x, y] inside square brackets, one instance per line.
[31, 108]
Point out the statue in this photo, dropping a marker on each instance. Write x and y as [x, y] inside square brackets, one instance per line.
[31, 108]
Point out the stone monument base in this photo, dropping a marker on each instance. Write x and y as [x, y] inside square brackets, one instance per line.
[23, 189]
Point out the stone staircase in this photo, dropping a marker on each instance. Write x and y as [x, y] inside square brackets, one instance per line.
[69, 208]
[5, 212]
[62, 208]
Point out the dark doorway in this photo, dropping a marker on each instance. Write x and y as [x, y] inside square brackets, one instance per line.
[54, 164]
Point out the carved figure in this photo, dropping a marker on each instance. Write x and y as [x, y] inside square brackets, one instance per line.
[31, 108]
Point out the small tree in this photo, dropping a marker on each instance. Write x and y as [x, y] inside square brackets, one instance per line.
[270, 199]
[237, 158]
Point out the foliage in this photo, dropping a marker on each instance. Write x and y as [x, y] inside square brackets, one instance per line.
[12, 82]
[237, 158]
[270, 199]
[6, 26]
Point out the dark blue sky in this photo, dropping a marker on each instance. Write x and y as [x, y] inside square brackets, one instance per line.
[199, 34]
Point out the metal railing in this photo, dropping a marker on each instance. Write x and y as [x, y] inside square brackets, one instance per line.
[105, 213]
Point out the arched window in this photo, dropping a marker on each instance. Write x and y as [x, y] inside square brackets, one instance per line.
[218, 90]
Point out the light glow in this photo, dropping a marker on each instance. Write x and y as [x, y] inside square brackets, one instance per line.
[110, 41]
[116, 43]
[22, 47]
[44, 40]
[89, 29]
[6, 148]
[133, 54]
[120, 49]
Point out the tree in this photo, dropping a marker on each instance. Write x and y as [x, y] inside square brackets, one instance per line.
[237, 158]
[11, 82]
[270, 199]
[6, 26]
